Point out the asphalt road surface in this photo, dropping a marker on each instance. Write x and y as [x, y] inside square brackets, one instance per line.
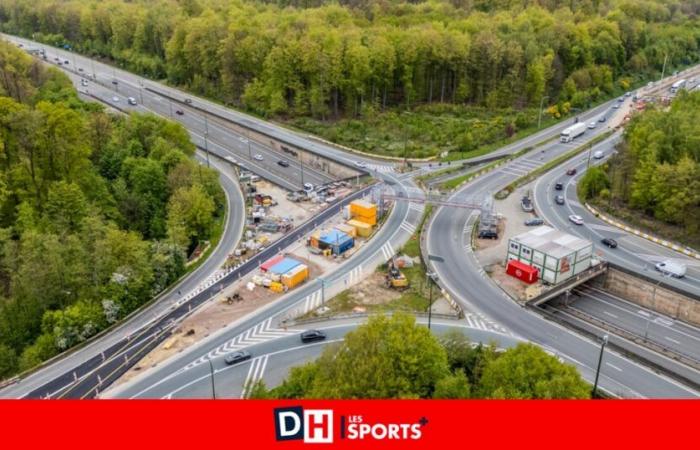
[271, 361]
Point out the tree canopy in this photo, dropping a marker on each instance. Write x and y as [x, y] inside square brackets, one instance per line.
[86, 230]
[393, 357]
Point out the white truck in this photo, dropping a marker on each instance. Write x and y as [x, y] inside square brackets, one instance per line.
[572, 132]
[678, 85]
[671, 268]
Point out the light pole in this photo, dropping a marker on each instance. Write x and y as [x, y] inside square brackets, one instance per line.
[250, 152]
[590, 150]
[170, 105]
[206, 135]
[600, 360]
[539, 118]
[213, 386]
[141, 92]
[663, 69]
[431, 279]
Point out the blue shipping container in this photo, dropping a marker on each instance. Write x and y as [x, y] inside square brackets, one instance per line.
[284, 266]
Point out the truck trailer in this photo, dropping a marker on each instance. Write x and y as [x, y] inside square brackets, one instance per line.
[572, 132]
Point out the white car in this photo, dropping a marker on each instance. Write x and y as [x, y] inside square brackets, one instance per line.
[115, 99]
[578, 220]
[361, 164]
[308, 187]
[258, 157]
[132, 101]
[598, 155]
[591, 125]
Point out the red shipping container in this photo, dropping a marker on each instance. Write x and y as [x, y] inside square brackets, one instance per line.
[522, 271]
[271, 262]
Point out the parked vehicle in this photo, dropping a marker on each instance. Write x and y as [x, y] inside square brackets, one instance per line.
[312, 336]
[559, 200]
[559, 186]
[283, 163]
[571, 172]
[533, 222]
[488, 234]
[609, 242]
[308, 187]
[572, 132]
[526, 204]
[578, 220]
[237, 357]
[672, 268]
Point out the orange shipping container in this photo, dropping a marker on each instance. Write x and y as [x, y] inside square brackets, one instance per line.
[363, 229]
[295, 276]
[363, 208]
[369, 220]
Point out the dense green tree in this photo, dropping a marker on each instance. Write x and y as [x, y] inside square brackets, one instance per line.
[528, 372]
[593, 182]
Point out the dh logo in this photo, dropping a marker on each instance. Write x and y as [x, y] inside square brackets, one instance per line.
[314, 426]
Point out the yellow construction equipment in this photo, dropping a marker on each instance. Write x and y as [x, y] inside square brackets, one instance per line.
[394, 278]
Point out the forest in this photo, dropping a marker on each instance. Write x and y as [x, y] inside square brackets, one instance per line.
[98, 212]
[654, 180]
[394, 357]
[347, 70]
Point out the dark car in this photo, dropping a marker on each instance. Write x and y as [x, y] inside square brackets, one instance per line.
[488, 234]
[283, 163]
[559, 186]
[535, 221]
[188, 101]
[571, 171]
[115, 82]
[236, 357]
[602, 119]
[608, 242]
[312, 336]
[559, 199]
[179, 112]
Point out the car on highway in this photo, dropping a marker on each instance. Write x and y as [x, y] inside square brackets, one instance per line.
[80, 69]
[592, 125]
[132, 101]
[258, 157]
[361, 164]
[65, 62]
[283, 163]
[559, 200]
[533, 222]
[628, 94]
[188, 101]
[237, 357]
[312, 336]
[598, 155]
[672, 268]
[115, 99]
[609, 242]
[571, 171]
[559, 186]
[488, 234]
[179, 112]
[621, 99]
[115, 82]
[83, 82]
[578, 220]
[616, 106]
[602, 119]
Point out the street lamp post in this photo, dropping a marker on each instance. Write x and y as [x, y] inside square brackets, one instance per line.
[600, 360]
[539, 118]
[206, 135]
[213, 386]
[431, 279]
[590, 151]
[250, 152]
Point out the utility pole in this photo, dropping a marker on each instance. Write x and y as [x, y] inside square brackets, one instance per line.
[590, 150]
[213, 386]
[600, 360]
[663, 70]
[250, 152]
[431, 279]
[539, 118]
[206, 135]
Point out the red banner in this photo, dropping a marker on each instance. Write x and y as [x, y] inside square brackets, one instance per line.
[348, 424]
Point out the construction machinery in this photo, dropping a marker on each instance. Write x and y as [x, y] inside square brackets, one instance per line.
[394, 277]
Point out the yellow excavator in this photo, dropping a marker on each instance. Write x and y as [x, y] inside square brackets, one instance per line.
[394, 278]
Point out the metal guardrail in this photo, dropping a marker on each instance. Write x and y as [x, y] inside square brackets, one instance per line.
[351, 316]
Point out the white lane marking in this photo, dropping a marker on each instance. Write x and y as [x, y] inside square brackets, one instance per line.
[613, 366]
[672, 340]
[610, 314]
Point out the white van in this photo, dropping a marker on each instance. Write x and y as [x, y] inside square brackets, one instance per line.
[672, 268]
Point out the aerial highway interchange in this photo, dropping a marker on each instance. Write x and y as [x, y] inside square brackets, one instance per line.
[224, 134]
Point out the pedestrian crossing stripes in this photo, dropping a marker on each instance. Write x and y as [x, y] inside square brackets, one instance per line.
[407, 226]
[387, 251]
[380, 168]
[514, 171]
[481, 323]
[419, 207]
[311, 302]
[255, 373]
[257, 334]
